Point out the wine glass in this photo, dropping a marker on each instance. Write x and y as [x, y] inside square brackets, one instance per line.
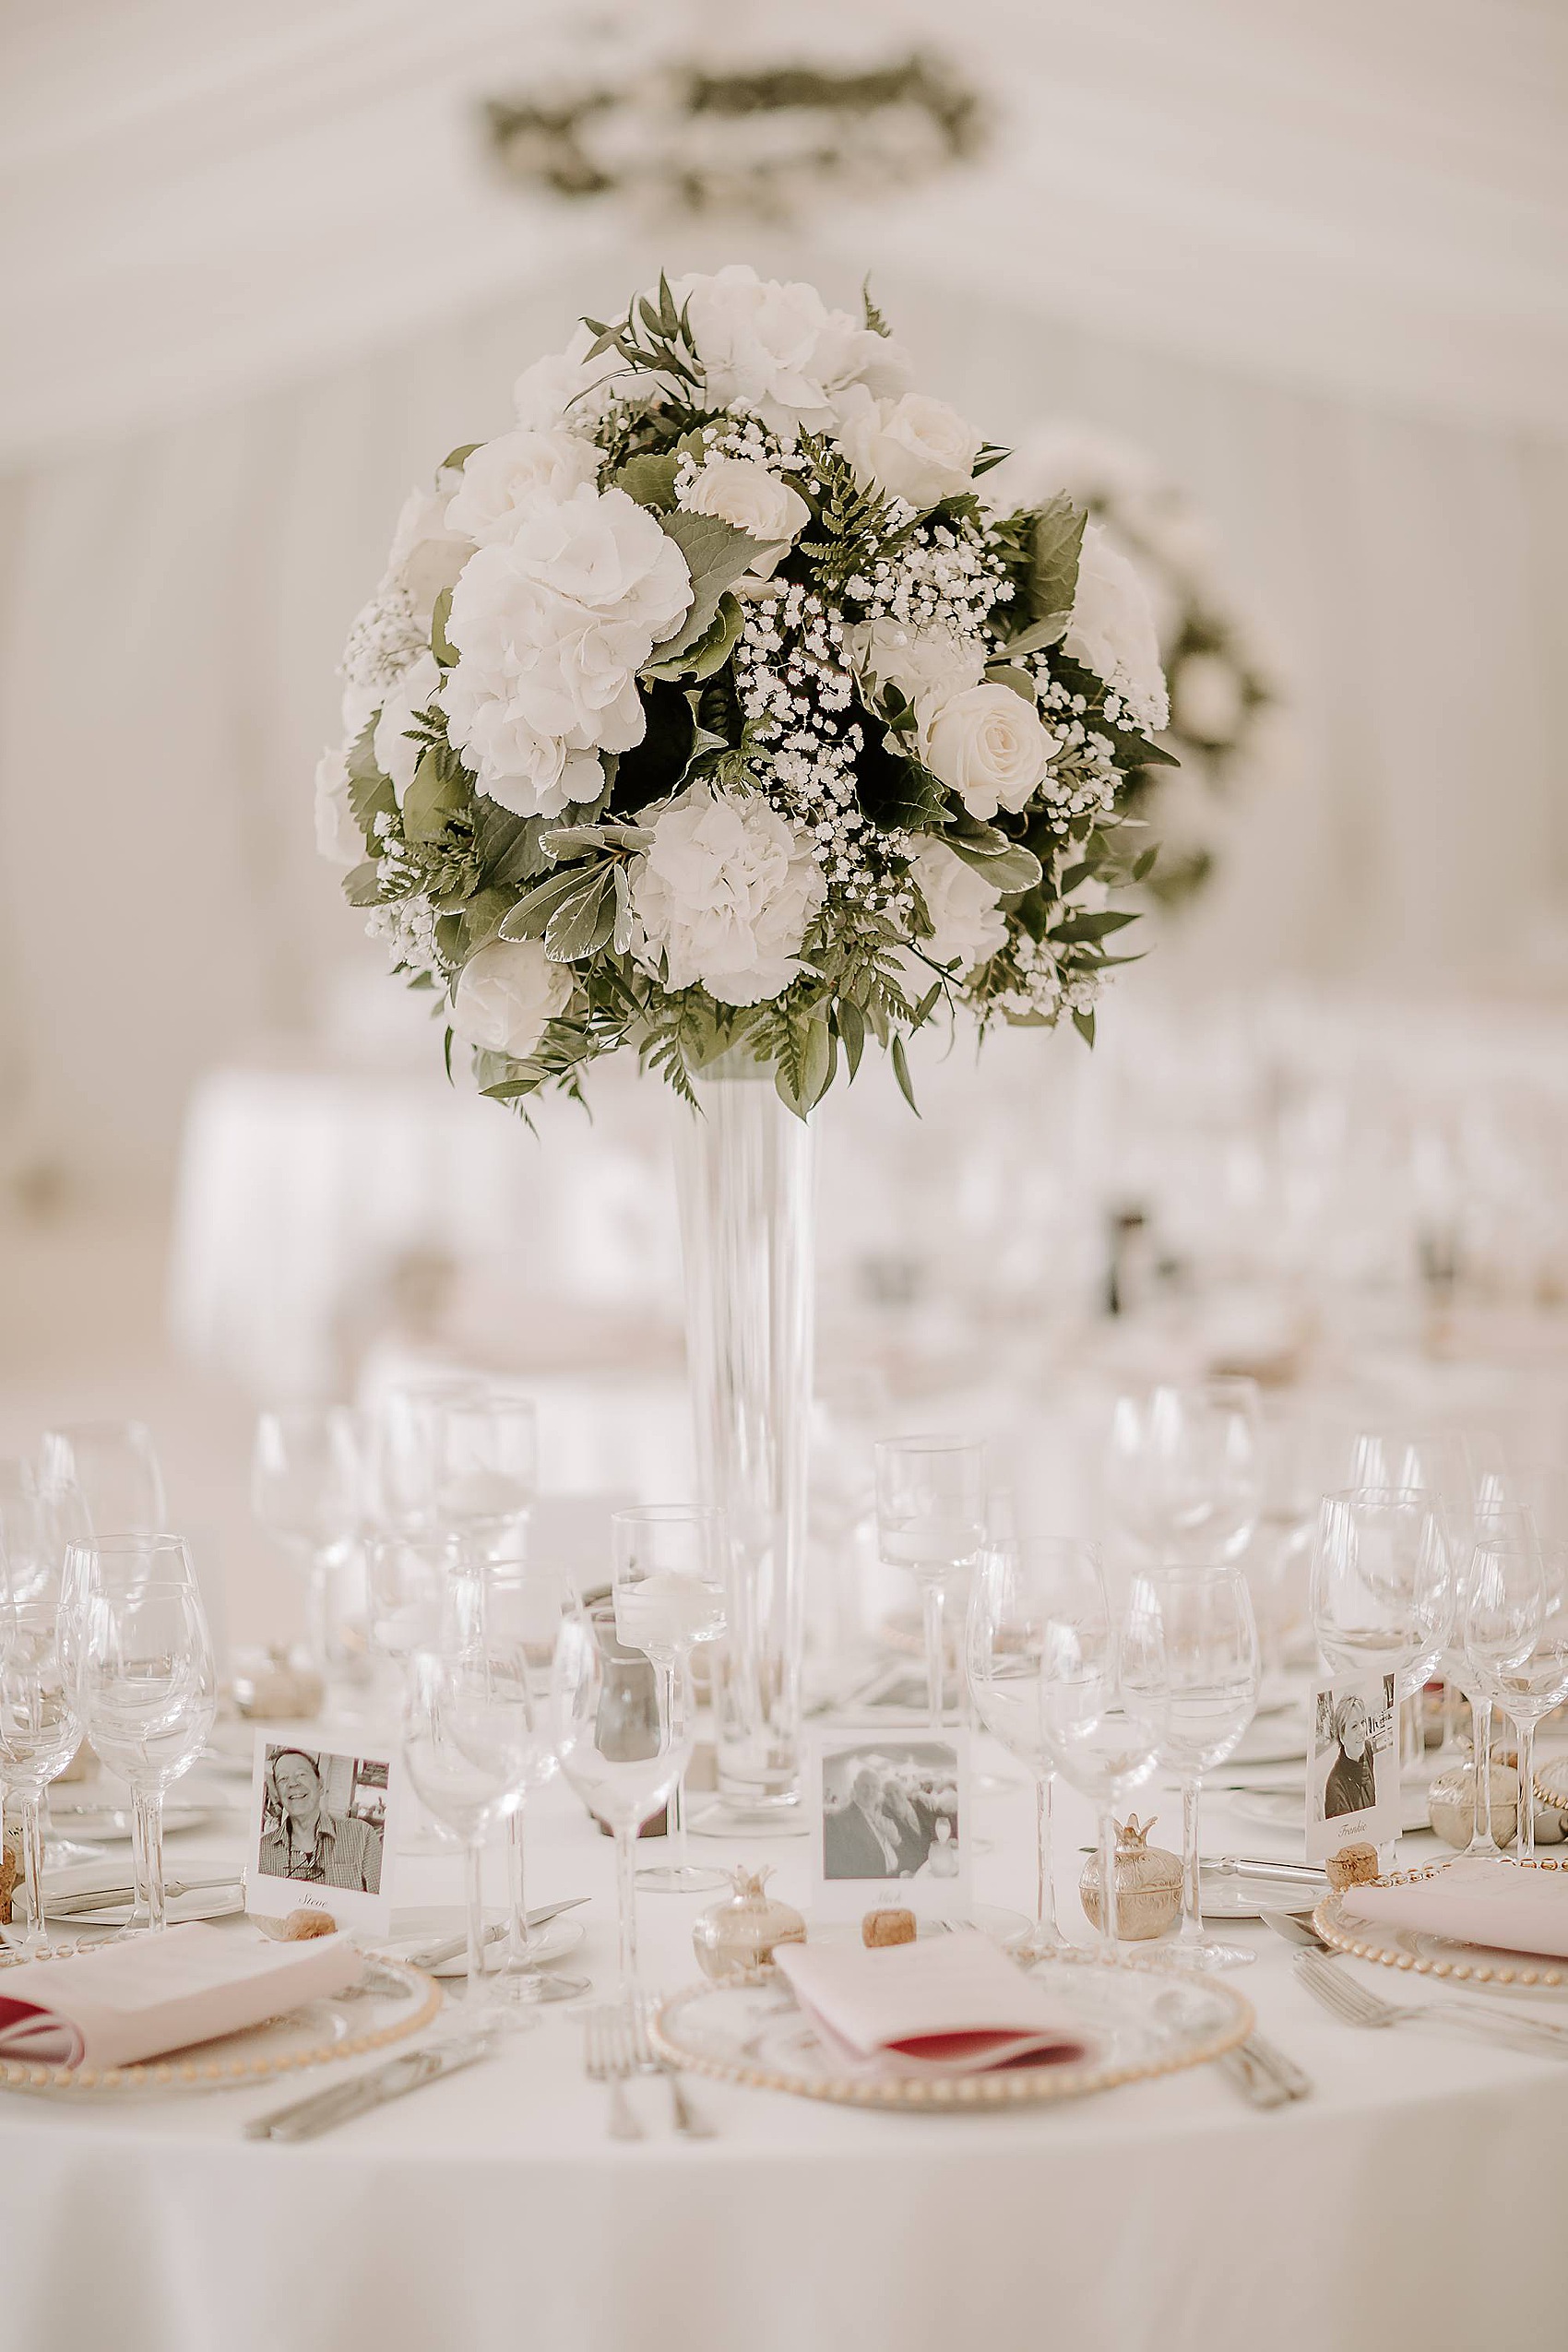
[1514, 1636]
[468, 1731]
[1005, 1654]
[38, 1732]
[619, 1746]
[485, 1450]
[1191, 1647]
[148, 1691]
[405, 1451]
[110, 1470]
[1185, 1474]
[406, 1583]
[1382, 1583]
[1491, 1526]
[667, 1561]
[308, 1491]
[931, 1519]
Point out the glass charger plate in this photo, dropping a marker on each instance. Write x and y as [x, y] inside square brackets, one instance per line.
[1002, 1927]
[1134, 2021]
[389, 2004]
[1425, 1954]
[1227, 1895]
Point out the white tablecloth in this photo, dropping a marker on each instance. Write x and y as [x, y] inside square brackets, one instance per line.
[1415, 2199]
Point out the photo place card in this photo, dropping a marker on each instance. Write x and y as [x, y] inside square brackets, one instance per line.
[890, 1823]
[326, 1813]
[1353, 1768]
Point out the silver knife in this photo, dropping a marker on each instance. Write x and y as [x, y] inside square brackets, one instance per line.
[448, 1949]
[102, 1898]
[1263, 2074]
[306, 2119]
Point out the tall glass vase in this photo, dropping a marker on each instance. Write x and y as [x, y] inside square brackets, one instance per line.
[746, 1175]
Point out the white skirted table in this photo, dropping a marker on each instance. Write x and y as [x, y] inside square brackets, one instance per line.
[1413, 2199]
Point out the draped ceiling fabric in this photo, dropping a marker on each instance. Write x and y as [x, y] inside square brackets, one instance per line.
[258, 276]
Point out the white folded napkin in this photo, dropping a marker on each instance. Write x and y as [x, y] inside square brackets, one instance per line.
[1475, 1901]
[127, 2002]
[948, 2005]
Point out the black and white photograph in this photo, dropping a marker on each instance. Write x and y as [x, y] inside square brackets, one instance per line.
[321, 1839]
[890, 1813]
[1353, 1772]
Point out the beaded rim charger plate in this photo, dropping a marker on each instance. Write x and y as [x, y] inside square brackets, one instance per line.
[1422, 1954]
[1135, 2021]
[391, 2002]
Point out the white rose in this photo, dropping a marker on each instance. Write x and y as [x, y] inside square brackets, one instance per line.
[513, 475]
[552, 629]
[739, 491]
[776, 349]
[567, 387]
[932, 662]
[338, 837]
[506, 992]
[1112, 630]
[988, 744]
[725, 895]
[397, 754]
[967, 924]
[1206, 702]
[427, 554]
[915, 448]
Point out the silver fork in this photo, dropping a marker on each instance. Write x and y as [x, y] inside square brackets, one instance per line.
[1355, 2006]
[688, 2122]
[607, 2058]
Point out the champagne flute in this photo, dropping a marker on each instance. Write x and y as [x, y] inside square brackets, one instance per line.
[1191, 1647]
[1514, 1636]
[1184, 1474]
[111, 1470]
[667, 1561]
[38, 1732]
[931, 1519]
[619, 1747]
[308, 1491]
[148, 1691]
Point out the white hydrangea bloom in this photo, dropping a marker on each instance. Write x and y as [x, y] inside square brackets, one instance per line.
[515, 475]
[725, 894]
[396, 752]
[1112, 630]
[777, 349]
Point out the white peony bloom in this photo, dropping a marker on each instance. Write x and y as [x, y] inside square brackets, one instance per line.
[929, 662]
[1112, 630]
[739, 491]
[778, 351]
[506, 992]
[726, 894]
[567, 387]
[512, 476]
[1207, 701]
[987, 744]
[914, 448]
[338, 837]
[397, 754]
[427, 554]
[552, 629]
[967, 922]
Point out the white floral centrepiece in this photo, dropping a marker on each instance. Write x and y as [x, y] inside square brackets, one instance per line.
[716, 705]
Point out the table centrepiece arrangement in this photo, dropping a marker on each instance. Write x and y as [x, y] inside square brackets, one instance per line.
[714, 712]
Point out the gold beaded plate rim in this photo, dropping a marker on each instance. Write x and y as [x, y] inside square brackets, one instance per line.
[1474, 1963]
[964, 2094]
[177, 2074]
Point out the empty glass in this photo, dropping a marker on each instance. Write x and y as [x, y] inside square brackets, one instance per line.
[1382, 1583]
[38, 1732]
[486, 1444]
[1184, 1472]
[308, 1491]
[931, 1502]
[1493, 1531]
[1191, 1648]
[1515, 1636]
[619, 1746]
[110, 1471]
[667, 1561]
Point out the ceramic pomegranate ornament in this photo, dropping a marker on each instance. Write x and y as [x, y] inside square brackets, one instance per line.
[740, 1935]
[1149, 1884]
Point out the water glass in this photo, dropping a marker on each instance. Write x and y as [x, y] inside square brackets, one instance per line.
[308, 1491]
[1185, 1471]
[930, 1505]
[669, 1561]
[1191, 1648]
[108, 1474]
[486, 1458]
[39, 1731]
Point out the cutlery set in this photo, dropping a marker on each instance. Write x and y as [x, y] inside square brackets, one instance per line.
[616, 2046]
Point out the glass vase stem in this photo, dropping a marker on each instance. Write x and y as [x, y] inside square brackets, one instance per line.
[1192, 1891]
[626, 1902]
[935, 1651]
[1108, 1920]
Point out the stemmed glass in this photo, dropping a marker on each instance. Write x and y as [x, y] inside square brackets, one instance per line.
[486, 1443]
[146, 1687]
[1493, 1527]
[619, 1746]
[1191, 1648]
[1515, 1636]
[931, 1500]
[31, 1552]
[110, 1471]
[668, 1561]
[1185, 1474]
[307, 1490]
[38, 1732]
[469, 1732]
[1382, 1583]
[1006, 1653]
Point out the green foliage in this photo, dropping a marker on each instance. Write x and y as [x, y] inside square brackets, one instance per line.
[1056, 542]
[650, 480]
[852, 526]
[717, 554]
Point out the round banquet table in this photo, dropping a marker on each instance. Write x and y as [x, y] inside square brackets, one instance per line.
[1413, 2199]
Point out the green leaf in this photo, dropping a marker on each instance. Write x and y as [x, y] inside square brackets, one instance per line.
[441, 645]
[509, 849]
[625, 927]
[711, 651]
[869, 311]
[361, 884]
[650, 480]
[446, 1056]
[853, 1030]
[1055, 545]
[897, 792]
[1079, 929]
[1084, 1024]
[656, 766]
[1002, 674]
[481, 918]
[583, 923]
[460, 456]
[370, 793]
[533, 911]
[717, 554]
[1010, 869]
[901, 1072]
[1039, 636]
[1144, 865]
[817, 1068]
[439, 792]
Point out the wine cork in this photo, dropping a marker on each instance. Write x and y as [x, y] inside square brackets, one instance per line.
[885, 1926]
[1352, 1866]
[300, 1926]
